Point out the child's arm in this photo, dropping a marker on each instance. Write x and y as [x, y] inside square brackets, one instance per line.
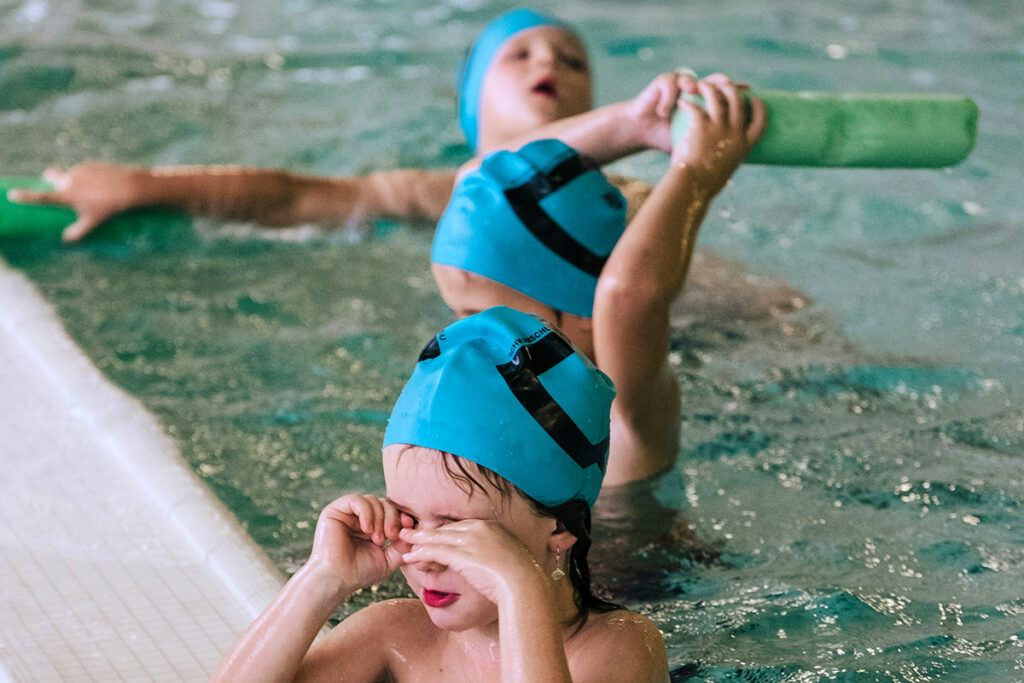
[349, 553]
[646, 272]
[614, 131]
[611, 132]
[617, 646]
[498, 565]
[97, 191]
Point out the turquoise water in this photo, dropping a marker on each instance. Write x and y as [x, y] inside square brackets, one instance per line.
[851, 468]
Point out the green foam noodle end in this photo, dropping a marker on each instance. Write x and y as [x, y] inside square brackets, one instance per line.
[35, 220]
[860, 130]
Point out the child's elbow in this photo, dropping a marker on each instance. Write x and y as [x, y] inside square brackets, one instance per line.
[635, 296]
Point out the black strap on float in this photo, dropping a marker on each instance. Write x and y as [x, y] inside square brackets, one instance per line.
[525, 202]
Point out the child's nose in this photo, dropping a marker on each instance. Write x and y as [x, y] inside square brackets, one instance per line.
[543, 55]
[431, 567]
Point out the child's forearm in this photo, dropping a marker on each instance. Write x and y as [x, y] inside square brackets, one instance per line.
[635, 291]
[279, 198]
[273, 647]
[532, 648]
[655, 252]
[605, 134]
[230, 192]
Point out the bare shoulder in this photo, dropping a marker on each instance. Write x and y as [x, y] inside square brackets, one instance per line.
[618, 646]
[629, 627]
[364, 644]
[400, 620]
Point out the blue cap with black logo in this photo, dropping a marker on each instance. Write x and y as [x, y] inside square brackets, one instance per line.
[542, 220]
[469, 77]
[503, 390]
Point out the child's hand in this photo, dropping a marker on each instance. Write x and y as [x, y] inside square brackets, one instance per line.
[490, 558]
[722, 134]
[651, 110]
[357, 541]
[94, 190]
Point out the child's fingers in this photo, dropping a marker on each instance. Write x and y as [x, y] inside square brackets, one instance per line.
[364, 512]
[358, 513]
[726, 81]
[430, 537]
[393, 521]
[695, 111]
[686, 80]
[714, 102]
[664, 92]
[735, 104]
[464, 534]
[383, 515]
[717, 79]
[376, 520]
[758, 120]
[79, 229]
[56, 177]
[394, 556]
[435, 553]
[658, 98]
[669, 94]
[34, 197]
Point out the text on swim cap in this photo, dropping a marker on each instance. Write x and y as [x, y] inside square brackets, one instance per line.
[528, 339]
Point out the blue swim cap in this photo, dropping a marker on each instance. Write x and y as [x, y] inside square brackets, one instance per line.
[501, 389]
[469, 77]
[541, 220]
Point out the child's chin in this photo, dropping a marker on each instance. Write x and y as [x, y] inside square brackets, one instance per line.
[448, 622]
[455, 620]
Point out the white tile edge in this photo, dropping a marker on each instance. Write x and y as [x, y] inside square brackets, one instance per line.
[157, 467]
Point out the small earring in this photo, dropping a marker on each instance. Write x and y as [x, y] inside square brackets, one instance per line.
[558, 574]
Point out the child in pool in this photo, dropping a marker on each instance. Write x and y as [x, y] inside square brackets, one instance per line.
[492, 458]
[527, 76]
[543, 231]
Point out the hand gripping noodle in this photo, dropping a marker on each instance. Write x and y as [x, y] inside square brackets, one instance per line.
[501, 389]
[469, 77]
[541, 220]
[36, 220]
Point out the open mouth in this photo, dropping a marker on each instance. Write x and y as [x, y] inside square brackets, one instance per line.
[547, 87]
[438, 598]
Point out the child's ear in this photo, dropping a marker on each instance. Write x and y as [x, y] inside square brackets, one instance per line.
[561, 538]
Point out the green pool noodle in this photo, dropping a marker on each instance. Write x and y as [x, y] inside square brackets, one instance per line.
[36, 220]
[859, 130]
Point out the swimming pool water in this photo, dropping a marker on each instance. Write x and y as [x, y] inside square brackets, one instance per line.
[855, 464]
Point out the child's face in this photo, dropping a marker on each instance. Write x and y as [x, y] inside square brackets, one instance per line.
[467, 293]
[538, 76]
[419, 486]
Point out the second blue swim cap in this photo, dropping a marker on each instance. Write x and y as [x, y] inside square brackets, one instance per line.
[541, 221]
[501, 389]
[469, 77]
